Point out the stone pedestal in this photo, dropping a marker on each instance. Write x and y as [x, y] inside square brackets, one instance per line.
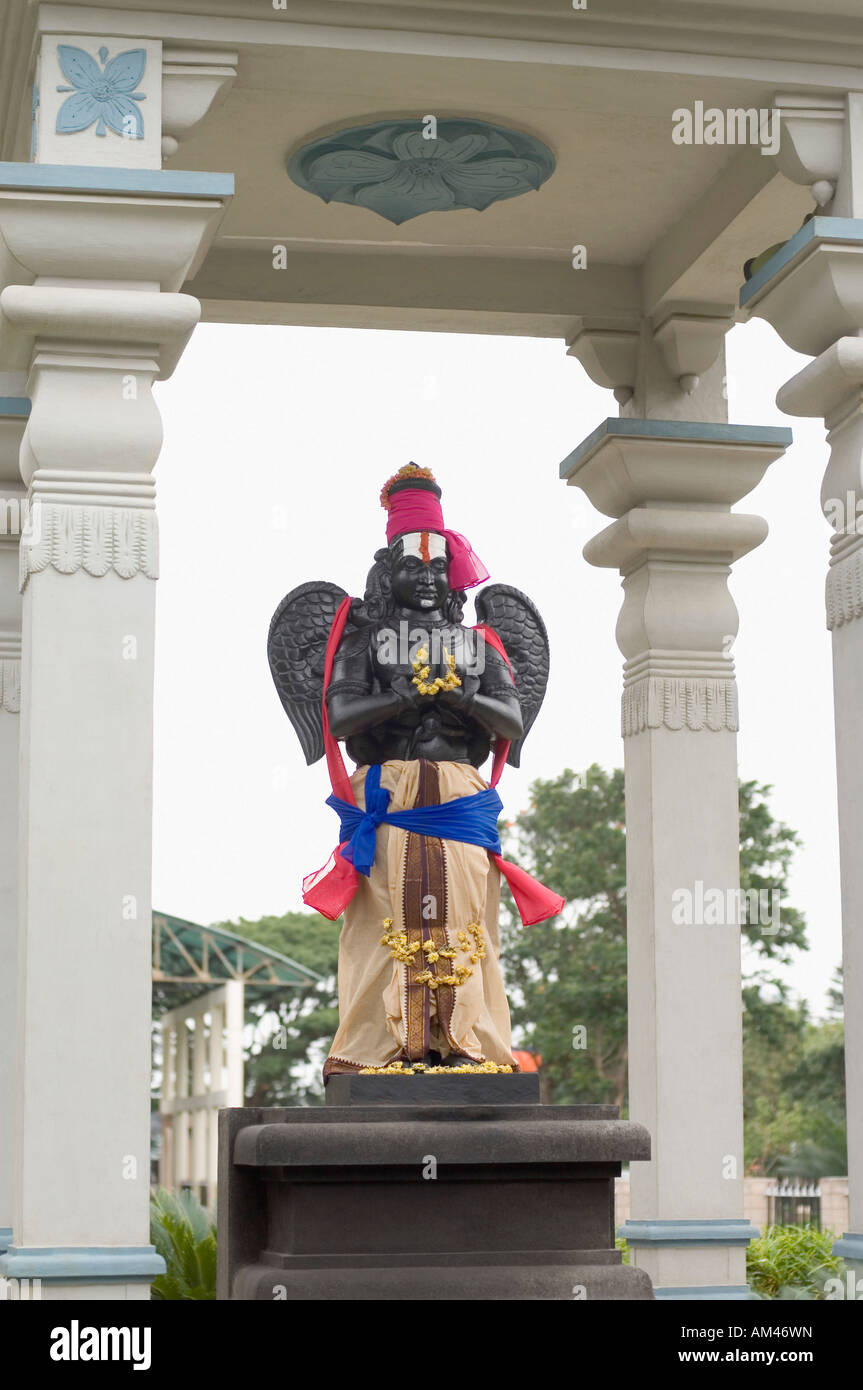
[445, 1193]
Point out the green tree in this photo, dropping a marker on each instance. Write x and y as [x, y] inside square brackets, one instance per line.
[817, 1084]
[794, 1087]
[572, 971]
[292, 1034]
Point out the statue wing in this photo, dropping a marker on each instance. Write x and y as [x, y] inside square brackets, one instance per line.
[296, 647]
[516, 620]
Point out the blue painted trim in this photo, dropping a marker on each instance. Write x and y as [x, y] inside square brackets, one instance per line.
[694, 431]
[5, 1238]
[819, 229]
[91, 178]
[722, 1231]
[733, 1293]
[850, 1247]
[83, 1264]
[16, 406]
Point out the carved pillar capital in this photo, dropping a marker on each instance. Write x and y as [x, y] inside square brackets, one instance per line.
[670, 485]
[92, 410]
[147, 229]
[111, 343]
[832, 387]
[690, 338]
[811, 132]
[91, 347]
[194, 83]
[608, 351]
[811, 288]
[821, 146]
[655, 365]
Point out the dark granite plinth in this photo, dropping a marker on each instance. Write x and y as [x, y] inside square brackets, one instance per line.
[451, 1199]
[461, 1088]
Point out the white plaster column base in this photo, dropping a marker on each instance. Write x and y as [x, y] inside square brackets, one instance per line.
[60, 1274]
[850, 1249]
[95, 1293]
[708, 1260]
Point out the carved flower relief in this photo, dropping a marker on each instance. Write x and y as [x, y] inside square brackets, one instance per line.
[106, 95]
[395, 170]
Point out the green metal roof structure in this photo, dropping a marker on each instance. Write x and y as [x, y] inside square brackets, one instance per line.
[189, 960]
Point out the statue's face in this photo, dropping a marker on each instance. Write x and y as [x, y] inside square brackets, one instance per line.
[418, 582]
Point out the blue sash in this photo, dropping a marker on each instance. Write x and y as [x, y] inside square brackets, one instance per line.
[469, 819]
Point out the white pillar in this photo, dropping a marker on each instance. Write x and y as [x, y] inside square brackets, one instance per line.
[216, 1055]
[14, 408]
[832, 386]
[234, 1014]
[199, 1114]
[107, 250]
[86, 805]
[671, 484]
[182, 1150]
[194, 1089]
[167, 1176]
[811, 291]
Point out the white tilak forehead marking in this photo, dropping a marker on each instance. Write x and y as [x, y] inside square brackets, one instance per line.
[412, 545]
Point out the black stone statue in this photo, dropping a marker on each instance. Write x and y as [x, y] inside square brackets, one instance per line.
[420, 701]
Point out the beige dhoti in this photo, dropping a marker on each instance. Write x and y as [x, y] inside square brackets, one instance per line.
[434, 983]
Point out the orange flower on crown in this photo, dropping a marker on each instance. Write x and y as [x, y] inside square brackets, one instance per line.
[410, 470]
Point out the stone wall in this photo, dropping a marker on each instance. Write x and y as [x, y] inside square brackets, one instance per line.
[834, 1202]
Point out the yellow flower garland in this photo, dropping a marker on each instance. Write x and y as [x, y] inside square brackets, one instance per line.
[416, 1068]
[423, 671]
[399, 950]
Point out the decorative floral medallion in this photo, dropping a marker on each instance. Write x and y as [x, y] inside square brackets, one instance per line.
[106, 95]
[403, 168]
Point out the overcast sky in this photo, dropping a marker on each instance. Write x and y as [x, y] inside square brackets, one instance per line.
[277, 442]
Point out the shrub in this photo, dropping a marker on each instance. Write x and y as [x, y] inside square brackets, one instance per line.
[791, 1262]
[184, 1234]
